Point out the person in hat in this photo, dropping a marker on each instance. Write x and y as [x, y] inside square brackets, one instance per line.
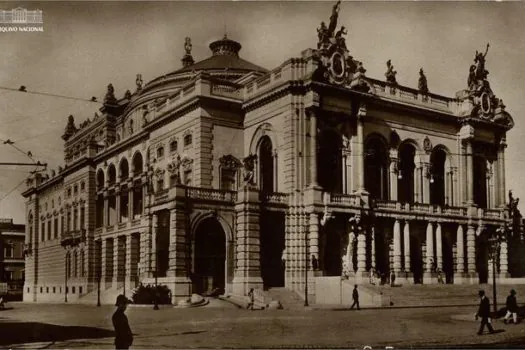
[512, 307]
[123, 335]
[484, 313]
[355, 298]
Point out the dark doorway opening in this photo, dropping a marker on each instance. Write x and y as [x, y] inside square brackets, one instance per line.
[482, 258]
[448, 259]
[210, 256]
[163, 243]
[272, 245]
[416, 259]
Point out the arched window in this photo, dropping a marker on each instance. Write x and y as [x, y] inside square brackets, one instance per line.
[405, 182]
[187, 140]
[112, 174]
[376, 169]
[329, 161]
[437, 177]
[100, 180]
[266, 170]
[137, 164]
[480, 181]
[160, 152]
[124, 169]
[173, 146]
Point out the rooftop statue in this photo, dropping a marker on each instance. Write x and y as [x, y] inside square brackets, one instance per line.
[333, 18]
[340, 40]
[110, 95]
[390, 73]
[478, 73]
[187, 45]
[422, 83]
[138, 81]
[322, 34]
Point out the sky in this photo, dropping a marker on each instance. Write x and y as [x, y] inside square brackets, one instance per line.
[87, 45]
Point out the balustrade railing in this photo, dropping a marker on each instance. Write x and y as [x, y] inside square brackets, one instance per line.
[211, 194]
[345, 199]
[275, 198]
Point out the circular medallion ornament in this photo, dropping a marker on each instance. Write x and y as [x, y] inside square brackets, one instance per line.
[485, 103]
[338, 67]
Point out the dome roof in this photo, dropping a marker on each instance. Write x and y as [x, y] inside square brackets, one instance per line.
[225, 55]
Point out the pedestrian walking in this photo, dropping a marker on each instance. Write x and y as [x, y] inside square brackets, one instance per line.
[484, 313]
[355, 297]
[251, 295]
[123, 335]
[392, 279]
[512, 307]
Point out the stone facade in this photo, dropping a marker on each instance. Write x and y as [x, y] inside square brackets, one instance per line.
[241, 178]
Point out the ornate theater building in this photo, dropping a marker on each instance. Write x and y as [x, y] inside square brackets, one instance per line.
[223, 174]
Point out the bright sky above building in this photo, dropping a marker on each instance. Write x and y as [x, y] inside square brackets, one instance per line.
[87, 45]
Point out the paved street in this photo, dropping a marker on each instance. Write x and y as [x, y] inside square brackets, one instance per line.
[77, 326]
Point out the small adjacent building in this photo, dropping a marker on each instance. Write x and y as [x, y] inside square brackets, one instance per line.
[12, 270]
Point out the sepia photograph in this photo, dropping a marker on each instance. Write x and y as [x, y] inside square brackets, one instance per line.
[262, 174]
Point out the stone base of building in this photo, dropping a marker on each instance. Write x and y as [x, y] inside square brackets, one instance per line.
[360, 277]
[430, 278]
[466, 278]
[404, 278]
[242, 285]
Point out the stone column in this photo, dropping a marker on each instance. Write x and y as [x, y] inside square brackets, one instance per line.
[153, 256]
[470, 173]
[425, 198]
[460, 255]
[393, 172]
[439, 247]
[406, 236]
[131, 195]
[471, 251]
[503, 262]
[103, 262]
[501, 173]
[313, 148]
[361, 255]
[397, 247]
[117, 201]
[360, 152]
[313, 250]
[373, 246]
[248, 269]
[105, 219]
[179, 282]
[350, 253]
[119, 261]
[417, 183]
[455, 188]
[428, 276]
[128, 276]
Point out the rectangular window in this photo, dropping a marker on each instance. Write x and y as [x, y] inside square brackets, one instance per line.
[56, 227]
[75, 219]
[82, 221]
[73, 290]
[67, 290]
[8, 250]
[228, 177]
[62, 223]
[79, 290]
[49, 232]
[28, 290]
[41, 290]
[160, 185]
[47, 289]
[54, 290]
[43, 233]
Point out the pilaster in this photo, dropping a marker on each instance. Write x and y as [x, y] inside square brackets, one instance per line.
[397, 247]
[248, 270]
[429, 276]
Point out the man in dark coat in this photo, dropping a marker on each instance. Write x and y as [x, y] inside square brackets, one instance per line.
[355, 297]
[123, 335]
[512, 307]
[484, 313]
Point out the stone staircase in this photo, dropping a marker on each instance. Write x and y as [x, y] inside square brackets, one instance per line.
[439, 294]
[289, 299]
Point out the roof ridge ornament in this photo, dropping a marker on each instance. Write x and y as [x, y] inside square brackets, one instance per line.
[187, 59]
[336, 65]
[478, 100]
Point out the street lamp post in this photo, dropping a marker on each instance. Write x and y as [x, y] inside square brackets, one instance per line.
[98, 288]
[156, 298]
[306, 264]
[65, 279]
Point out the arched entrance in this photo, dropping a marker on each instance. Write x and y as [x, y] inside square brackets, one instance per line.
[376, 169]
[437, 177]
[405, 183]
[266, 170]
[209, 256]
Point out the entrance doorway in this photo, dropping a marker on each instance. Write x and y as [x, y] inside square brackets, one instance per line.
[482, 257]
[210, 256]
[416, 258]
[272, 245]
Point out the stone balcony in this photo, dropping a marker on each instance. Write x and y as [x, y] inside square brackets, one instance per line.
[73, 237]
